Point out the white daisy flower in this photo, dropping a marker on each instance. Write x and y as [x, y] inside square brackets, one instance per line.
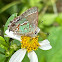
[28, 44]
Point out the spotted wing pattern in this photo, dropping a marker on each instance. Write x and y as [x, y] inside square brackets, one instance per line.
[25, 24]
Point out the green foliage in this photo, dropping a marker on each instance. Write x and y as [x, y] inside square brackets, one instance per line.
[59, 19]
[52, 24]
[3, 43]
[8, 21]
[26, 58]
[16, 42]
[2, 58]
[8, 6]
[48, 19]
[2, 39]
[55, 37]
[2, 50]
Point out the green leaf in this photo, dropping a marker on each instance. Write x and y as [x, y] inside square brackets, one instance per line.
[16, 42]
[48, 19]
[9, 19]
[26, 59]
[55, 37]
[40, 55]
[2, 58]
[59, 19]
[2, 50]
[4, 47]
[2, 41]
[9, 53]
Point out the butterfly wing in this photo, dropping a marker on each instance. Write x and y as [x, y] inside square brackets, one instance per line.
[25, 24]
[32, 15]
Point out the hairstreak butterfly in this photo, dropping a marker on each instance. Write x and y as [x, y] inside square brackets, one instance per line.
[25, 24]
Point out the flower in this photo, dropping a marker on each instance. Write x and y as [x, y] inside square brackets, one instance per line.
[28, 44]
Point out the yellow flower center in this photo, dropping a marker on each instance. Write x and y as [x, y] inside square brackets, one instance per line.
[29, 43]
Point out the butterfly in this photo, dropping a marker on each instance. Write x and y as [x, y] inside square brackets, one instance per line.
[25, 24]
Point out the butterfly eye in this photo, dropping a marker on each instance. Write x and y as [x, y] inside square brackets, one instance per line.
[35, 32]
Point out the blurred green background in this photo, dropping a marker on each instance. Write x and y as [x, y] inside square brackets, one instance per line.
[49, 21]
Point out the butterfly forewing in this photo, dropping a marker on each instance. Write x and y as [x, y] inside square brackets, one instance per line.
[32, 15]
[25, 24]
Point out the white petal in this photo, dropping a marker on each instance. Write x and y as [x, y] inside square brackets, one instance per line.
[18, 56]
[32, 56]
[11, 35]
[45, 45]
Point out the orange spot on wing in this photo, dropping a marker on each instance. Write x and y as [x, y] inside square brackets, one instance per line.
[18, 26]
[24, 24]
